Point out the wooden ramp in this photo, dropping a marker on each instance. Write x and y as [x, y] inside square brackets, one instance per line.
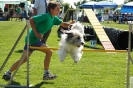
[105, 41]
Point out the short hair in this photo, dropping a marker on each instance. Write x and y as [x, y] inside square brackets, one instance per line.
[52, 5]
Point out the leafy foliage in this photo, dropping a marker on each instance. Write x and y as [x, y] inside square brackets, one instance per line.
[77, 4]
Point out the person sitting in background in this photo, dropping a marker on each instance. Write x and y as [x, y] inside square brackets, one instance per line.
[6, 16]
[2, 15]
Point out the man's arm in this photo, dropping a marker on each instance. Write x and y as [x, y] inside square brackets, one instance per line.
[34, 11]
[37, 34]
[66, 24]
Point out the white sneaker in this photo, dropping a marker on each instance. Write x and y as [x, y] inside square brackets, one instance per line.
[49, 76]
[6, 76]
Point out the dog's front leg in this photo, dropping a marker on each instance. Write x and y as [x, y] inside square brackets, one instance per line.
[62, 54]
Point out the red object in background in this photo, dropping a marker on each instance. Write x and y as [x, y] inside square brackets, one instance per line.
[6, 5]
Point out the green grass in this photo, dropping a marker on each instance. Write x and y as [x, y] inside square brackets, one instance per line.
[115, 25]
[95, 70]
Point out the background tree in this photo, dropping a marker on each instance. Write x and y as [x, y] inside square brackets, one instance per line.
[61, 1]
[66, 6]
[126, 1]
[98, 0]
[77, 4]
[110, 0]
[129, 0]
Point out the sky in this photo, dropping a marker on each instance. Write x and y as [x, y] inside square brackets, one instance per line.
[72, 1]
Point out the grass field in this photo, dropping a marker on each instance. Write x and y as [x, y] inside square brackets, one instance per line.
[95, 70]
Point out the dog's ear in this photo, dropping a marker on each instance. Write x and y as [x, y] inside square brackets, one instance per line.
[70, 34]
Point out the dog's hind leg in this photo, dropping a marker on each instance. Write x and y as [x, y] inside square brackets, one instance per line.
[62, 55]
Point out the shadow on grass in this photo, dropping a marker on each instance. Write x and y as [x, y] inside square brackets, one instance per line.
[40, 84]
[13, 84]
[19, 51]
[58, 39]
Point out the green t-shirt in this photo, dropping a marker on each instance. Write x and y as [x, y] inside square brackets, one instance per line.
[18, 10]
[43, 23]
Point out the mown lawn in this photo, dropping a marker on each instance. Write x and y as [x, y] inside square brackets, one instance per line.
[95, 70]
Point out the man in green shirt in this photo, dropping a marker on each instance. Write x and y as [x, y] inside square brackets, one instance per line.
[43, 23]
[18, 11]
[40, 24]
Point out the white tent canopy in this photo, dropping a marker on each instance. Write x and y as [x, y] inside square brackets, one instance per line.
[12, 1]
[3, 2]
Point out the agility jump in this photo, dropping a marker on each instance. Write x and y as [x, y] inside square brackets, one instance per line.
[85, 50]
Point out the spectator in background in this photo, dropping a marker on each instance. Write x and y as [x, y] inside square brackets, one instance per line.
[126, 18]
[40, 6]
[18, 11]
[100, 15]
[115, 17]
[120, 17]
[23, 14]
[11, 11]
[30, 11]
[110, 14]
[3, 15]
[6, 7]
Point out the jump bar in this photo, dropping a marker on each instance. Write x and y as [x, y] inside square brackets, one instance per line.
[85, 50]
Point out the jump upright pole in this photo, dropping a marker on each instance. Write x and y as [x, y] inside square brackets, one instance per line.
[28, 38]
[129, 57]
[25, 56]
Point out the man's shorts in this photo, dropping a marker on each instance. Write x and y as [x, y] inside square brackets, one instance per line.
[36, 44]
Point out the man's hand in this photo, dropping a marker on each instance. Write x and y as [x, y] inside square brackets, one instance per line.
[73, 22]
[39, 35]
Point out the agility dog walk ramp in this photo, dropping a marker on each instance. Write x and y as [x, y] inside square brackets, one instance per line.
[103, 38]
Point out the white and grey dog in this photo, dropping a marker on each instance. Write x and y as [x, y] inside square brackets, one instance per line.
[72, 43]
